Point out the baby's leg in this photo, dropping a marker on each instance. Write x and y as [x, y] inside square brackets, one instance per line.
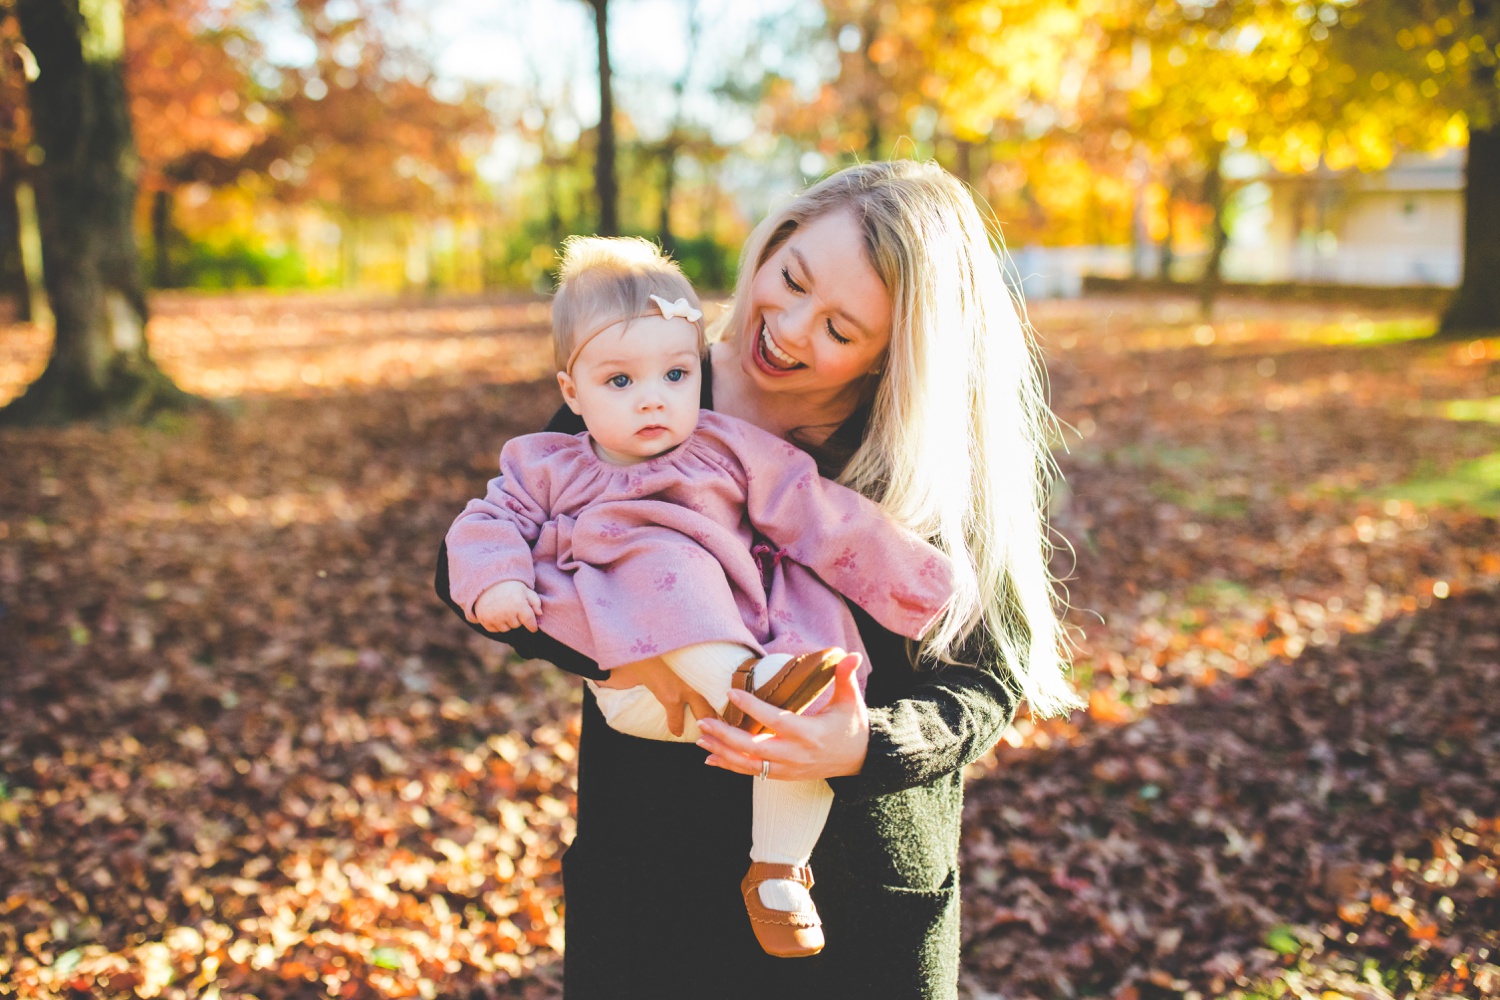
[787, 820]
[706, 667]
[788, 816]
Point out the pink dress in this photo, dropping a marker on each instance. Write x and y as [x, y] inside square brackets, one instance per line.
[631, 561]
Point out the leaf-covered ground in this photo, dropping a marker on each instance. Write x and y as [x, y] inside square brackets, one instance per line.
[244, 752]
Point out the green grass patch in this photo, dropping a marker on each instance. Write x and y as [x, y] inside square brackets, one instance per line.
[1161, 456]
[1368, 331]
[1476, 410]
[1472, 485]
[1203, 500]
[1220, 595]
[1284, 940]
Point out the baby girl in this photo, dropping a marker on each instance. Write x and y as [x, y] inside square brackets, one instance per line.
[666, 531]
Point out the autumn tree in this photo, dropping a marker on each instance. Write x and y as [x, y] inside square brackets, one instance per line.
[864, 109]
[606, 186]
[361, 130]
[1426, 69]
[544, 117]
[100, 363]
[16, 62]
[679, 133]
[193, 103]
[1214, 78]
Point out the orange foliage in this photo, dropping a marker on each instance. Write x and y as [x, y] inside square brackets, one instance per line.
[189, 100]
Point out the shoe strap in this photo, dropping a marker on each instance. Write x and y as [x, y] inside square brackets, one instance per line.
[742, 679]
[764, 871]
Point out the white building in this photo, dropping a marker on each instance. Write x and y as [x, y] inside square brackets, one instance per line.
[1399, 226]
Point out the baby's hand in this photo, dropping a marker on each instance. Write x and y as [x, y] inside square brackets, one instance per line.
[508, 605]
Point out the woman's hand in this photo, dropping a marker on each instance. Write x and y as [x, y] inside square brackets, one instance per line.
[672, 691]
[829, 744]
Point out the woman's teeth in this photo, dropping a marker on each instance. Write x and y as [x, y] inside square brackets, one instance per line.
[775, 353]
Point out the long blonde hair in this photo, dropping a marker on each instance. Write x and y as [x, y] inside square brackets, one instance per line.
[956, 444]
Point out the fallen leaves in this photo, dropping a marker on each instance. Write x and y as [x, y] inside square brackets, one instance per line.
[1284, 737]
[245, 752]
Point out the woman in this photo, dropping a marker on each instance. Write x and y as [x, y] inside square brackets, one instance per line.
[871, 326]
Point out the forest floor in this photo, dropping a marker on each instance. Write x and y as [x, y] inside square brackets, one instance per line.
[245, 752]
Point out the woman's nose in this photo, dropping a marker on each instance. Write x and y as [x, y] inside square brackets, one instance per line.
[796, 323]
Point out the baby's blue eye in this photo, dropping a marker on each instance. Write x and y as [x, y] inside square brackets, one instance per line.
[620, 381]
[676, 375]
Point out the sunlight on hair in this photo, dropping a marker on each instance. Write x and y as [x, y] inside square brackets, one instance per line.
[957, 442]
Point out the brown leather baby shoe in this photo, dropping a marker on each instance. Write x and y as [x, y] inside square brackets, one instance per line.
[796, 685]
[780, 932]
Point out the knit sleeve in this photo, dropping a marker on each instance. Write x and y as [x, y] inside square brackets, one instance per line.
[950, 717]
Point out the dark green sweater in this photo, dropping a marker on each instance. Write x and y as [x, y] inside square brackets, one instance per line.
[652, 878]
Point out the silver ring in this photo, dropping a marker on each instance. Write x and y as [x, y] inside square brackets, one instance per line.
[765, 770]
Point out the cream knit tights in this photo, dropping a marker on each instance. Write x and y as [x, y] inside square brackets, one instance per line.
[788, 816]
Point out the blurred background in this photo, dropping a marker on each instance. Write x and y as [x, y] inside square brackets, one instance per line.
[296, 254]
[450, 144]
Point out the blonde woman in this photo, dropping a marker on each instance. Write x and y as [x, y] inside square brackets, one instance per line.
[871, 326]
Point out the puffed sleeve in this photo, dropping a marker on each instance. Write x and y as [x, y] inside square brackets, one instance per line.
[845, 538]
[490, 542]
[530, 645]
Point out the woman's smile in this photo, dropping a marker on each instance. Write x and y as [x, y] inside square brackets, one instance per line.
[770, 355]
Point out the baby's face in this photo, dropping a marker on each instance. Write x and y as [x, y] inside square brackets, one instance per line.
[637, 388]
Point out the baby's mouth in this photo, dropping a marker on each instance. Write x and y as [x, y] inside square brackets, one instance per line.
[773, 356]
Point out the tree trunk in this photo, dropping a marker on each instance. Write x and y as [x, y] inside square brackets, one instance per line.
[604, 161]
[713, 270]
[100, 365]
[552, 167]
[668, 182]
[963, 162]
[1213, 194]
[874, 86]
[13, 284]
[1140, 234]
[1168, 257]
[1476, 305]
[161, 237]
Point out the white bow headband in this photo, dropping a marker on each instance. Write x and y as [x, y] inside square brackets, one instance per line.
[669, 310]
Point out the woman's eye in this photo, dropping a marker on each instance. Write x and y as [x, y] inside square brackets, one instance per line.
[620, 381]
[786, 276]
[676, 375]
[840, 338]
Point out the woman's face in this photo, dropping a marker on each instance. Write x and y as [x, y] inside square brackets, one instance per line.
[819, 318]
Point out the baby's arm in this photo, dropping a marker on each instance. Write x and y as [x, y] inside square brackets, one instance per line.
[854, 546]
[489, 545]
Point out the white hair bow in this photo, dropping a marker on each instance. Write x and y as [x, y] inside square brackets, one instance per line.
[672, 310]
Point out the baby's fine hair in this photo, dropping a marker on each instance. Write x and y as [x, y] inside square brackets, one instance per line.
[605, 279]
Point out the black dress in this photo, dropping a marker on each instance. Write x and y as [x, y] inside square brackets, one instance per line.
[652, 878]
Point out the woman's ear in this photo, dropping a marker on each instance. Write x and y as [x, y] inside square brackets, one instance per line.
[569, 391]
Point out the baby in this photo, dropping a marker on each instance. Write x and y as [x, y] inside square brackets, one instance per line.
[666, 531]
